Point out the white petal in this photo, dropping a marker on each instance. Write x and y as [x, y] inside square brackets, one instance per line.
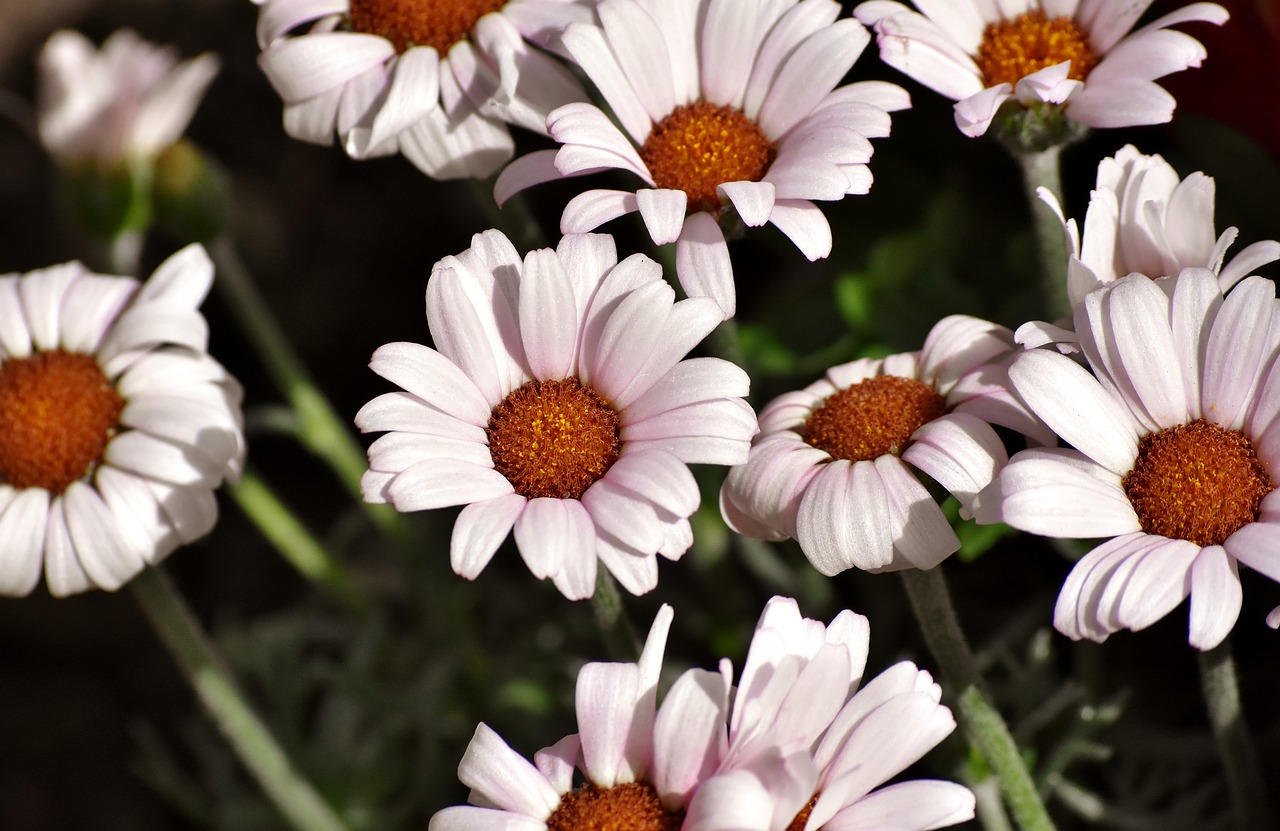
[479, 530]
[23, 518]
[1216, 597]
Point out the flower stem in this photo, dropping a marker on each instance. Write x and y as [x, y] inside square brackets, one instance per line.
[212, 681]
[978, 716]
[1222, 699]
[292, 539]
[619, 636]
[319, 427]
[1040, 169]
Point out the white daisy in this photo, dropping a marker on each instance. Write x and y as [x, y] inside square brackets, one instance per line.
[115, 424]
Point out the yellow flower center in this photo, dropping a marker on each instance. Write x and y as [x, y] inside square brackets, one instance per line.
[57, 413]
[1196, 482]
[553, 438]
[699, 146]
[1013, 49]
[873, 418]
[438, 23]
[629, 806]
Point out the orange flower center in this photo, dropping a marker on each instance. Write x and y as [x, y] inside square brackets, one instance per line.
[553, 438]
[438, 23]
[1013, 49]
[57, 413]
[699, 146]
[1196, 482]
[873, 418]
[629, 806]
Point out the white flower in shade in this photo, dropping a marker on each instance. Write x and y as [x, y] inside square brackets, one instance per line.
[115, 425]
[681, 768]
[557, 404]
[435, 81]
[807, 748]
[1077, 55]
[722, 105]
[833, 463]
[128, 100]
[1175, 446]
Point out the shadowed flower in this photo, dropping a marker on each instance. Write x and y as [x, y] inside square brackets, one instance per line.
[1078, 56]
[115, 425]
[435, 81]
[832, 465]
[1174, 453]
[557, 405]
[724, 107]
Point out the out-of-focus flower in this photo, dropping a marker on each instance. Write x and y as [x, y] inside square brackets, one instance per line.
[115, 424]
[724, 107]
[1074, 56]
[437, 82]
[1173, 453]
[832, 465]
[797, 725]
[557, 404]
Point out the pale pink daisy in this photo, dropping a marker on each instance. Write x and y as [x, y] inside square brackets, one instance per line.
[556, 404]
[435, 81]
[127, 101]
[1078, 57]
[807, 747]
[723, 107]
[1175, 446]
[834, 465]
[115, 424]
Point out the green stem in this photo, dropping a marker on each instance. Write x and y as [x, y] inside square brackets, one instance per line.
[292, 539]
[173, 620]
[616, 631]
[1040, 169]
[319, 427]
[1222, 699]
[978, 716]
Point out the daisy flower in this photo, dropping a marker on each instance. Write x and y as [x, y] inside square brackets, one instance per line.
[556, 404]
[1076, 56]
[833, 463]
[1173, 453]
[722, 107]
[130, 100]
[435, 81]
[115, 424]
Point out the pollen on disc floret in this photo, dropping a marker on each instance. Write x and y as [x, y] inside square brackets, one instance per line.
[406, 23]
[1013, 49]
[873, 418]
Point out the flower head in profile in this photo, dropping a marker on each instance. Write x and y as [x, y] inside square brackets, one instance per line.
[1172, 457]
[435, 81]
[556, 403]
[1077, 57]
[834, 465]
[115, 424]
[692, 765]
[723, 107]
[128, 100]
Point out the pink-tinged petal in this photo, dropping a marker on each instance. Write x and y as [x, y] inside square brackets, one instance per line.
[744, 523]
[1149, 56]
[586, 258]
[663, 213]
[731, 33]
[919, 48]
[975, 113]
[768, 489]
[920, 803]
[1238, 349]
[504, 777]
[812, 71]
[796, 25]
[279, 16]
[105, 556]
[576, 579]
[1195, 305]
[901, 678]
[1074, 405]
[472, 312]
[723, 427]
[891, 737]
[843, 519]
[473, 818]
[1051, 494]
[1250, 258]
[627, 338]
[702, 262]
[303, 67]
[551, 532]
[689, 382]
[1215, 597]
[315, 119]
[1122, 103]
[556, 763]
[413, 92]
[637, 572]
[690, 321]
[1076, 613]
[1050, 85]
[530, 169]
[960, 452]
[427, 374]
[479, 531]
[963, 22]
[591, 209]
[457, 143]
[587, 125]
[1257, 545]
[548, 316]
[736, 799]
[1193, 12]
[801, 176]
[689, 735]
[919, 530]
[1158, 582]
[791, 410]
[1140, 336]
[659, 478]
[619, 514]
[405, 412]
[641, 52]
[439, 483]
[590, 50]
[958, 344]
[805, 225]
[23, 518]
[612, 742]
